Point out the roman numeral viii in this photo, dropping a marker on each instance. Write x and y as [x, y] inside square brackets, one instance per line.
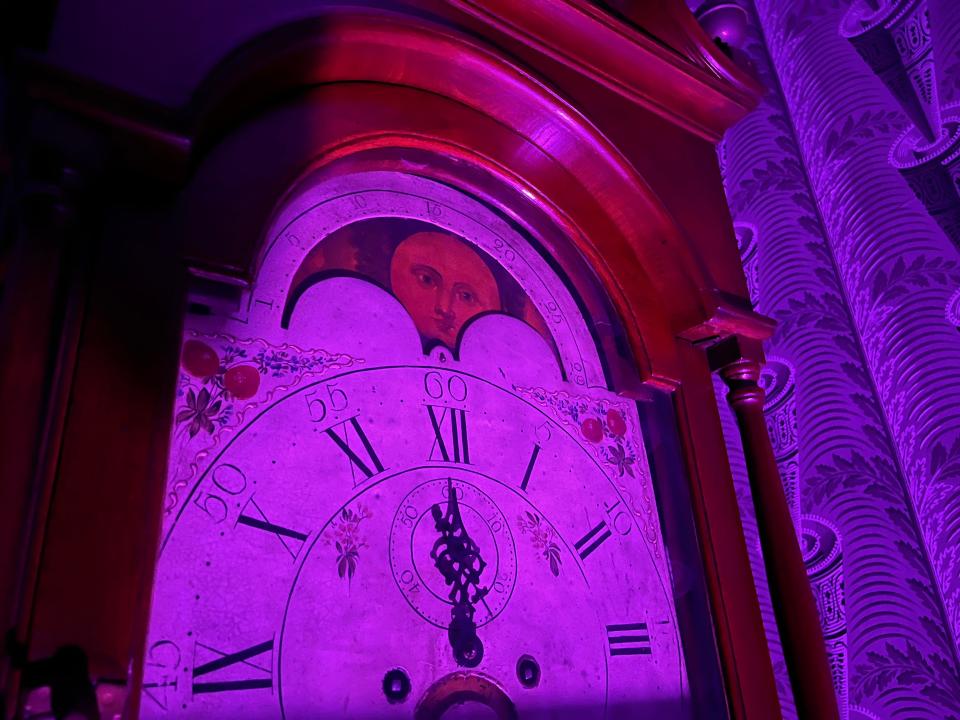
[364, 458]
[629, 639]
[260, 670]
[449, 434]
[592, 540]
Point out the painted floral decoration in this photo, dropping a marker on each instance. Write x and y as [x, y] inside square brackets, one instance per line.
[199, 412]
[608, 429]
[344, 535]
[543, 538]
[211, 384]
[600, 424]
[223, 379]
[618, 456]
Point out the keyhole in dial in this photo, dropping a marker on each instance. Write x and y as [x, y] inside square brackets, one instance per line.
[396, 685]
[528, 671]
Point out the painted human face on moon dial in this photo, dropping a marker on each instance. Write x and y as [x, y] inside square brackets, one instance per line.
[443, 283]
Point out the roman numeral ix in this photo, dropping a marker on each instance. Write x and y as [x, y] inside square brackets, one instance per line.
[157, 691]
[262, 677]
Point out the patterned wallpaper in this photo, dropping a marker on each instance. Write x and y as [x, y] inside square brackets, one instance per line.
[864, 378]
[945, 31]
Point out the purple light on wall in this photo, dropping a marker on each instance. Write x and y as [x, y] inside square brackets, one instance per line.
[858, 277]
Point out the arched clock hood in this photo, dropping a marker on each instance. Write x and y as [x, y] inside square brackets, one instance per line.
[355, 83]
[587, 126]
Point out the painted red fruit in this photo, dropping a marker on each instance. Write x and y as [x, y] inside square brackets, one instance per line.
[592, 430]
[199, 359]
[242, 381]
[616, 423]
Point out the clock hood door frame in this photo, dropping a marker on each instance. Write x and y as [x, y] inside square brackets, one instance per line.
[362, 91]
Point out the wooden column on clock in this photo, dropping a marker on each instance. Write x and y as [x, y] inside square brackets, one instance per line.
[598, 127]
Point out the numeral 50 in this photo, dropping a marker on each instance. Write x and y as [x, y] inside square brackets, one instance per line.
[230, 480]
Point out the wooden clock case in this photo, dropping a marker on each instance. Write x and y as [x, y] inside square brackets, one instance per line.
[590, 126]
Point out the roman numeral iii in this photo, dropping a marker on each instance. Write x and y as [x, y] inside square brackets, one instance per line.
[449, 434]
[629, 639]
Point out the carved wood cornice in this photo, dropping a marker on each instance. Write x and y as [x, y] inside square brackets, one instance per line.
[146, 136]
[656, 56]
[354, 46]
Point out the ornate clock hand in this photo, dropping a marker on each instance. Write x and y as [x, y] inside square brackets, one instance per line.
[458, 559]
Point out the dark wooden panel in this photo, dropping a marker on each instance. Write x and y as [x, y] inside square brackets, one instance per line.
[104, 519]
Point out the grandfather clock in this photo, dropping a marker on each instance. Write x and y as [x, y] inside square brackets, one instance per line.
[373, 377]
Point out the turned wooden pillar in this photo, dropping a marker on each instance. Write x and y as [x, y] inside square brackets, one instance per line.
[797, 618]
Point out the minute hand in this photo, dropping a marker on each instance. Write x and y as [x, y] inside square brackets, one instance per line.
[458, 559]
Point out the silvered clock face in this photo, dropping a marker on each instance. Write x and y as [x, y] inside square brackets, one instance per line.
[391, 498]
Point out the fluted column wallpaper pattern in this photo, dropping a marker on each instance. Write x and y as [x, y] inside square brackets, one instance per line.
[859, 277]
[945, 33]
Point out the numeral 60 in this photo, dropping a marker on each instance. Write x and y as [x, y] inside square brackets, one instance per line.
[455, 388]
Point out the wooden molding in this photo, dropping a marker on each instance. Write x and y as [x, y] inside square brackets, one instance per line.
[705, 97]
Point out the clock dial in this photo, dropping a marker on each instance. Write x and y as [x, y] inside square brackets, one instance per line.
[374, 518]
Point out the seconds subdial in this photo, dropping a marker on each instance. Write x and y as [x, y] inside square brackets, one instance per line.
[413, 539]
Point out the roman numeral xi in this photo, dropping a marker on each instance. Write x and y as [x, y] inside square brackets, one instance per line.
[363, 458]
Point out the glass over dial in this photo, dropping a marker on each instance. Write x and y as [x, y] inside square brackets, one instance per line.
[434, 523]
[395, 491]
